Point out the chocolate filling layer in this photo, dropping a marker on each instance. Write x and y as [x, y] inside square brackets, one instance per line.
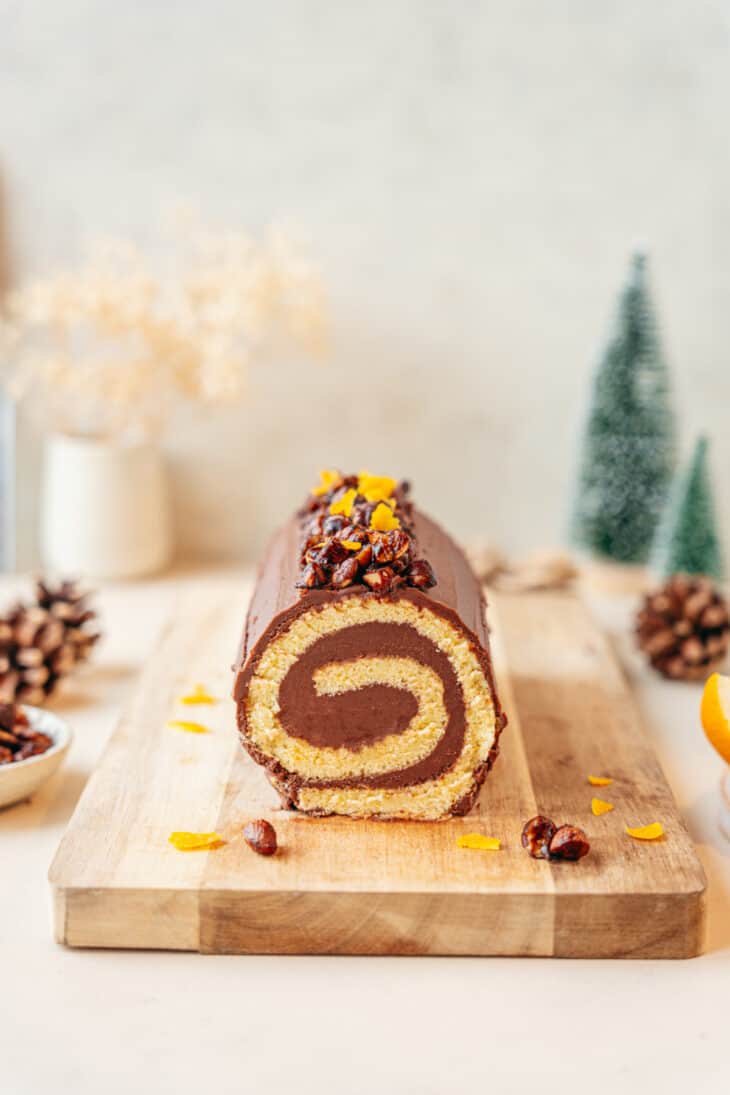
[363, 716]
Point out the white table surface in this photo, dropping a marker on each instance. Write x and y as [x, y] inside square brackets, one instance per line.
[108, 1022]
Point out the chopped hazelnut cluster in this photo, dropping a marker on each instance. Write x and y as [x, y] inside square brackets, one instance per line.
[357, 530]
[18, 740]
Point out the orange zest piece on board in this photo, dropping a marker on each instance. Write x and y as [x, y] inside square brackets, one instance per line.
[351, 545]
[199, 694]
[344, 505]
[599, 781]
[598, 807]
[715, 713]
[195, 842]
[480, 842]
[647, 832]
[189, 727]
[375, 488]
[382, 519]
[328, 480]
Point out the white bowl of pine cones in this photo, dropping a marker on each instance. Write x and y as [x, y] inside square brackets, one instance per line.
[32, 748]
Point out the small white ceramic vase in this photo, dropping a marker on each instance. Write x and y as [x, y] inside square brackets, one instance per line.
[105, 509]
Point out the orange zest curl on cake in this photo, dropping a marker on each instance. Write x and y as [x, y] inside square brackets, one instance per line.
[357, 530]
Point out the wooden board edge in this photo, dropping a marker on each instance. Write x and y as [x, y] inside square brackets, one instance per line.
[338, 922]
[649, 925]
[641, 927]
[58, 914]
[126, 918]
[526, 925]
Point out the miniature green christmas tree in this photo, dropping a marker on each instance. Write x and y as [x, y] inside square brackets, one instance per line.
[686, 540]
[628, 450]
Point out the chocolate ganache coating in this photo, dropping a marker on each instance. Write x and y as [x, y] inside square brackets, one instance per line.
[354, 700]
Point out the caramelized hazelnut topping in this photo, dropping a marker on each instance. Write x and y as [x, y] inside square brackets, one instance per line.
[357, 530]
[421, 575]
[345, 574]
[380, 581]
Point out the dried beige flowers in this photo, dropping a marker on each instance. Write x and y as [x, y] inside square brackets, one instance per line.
[109, 348]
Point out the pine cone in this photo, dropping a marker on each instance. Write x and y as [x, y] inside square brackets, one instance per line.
[43, 642]
[684, 628]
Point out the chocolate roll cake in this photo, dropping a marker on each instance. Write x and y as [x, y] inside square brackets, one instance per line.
[364, 683]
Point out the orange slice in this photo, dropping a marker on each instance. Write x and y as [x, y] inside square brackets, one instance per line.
[329, 478]
[375, 488]
[344, 504]
[188, 727]
[598, 807]
[195, 842]
[480, 842]
[382, 519]
[715, 713]
[199, 694]
[647, 832]
[599, 781]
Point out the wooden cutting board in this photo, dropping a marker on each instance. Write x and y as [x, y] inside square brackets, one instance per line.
[356, 887]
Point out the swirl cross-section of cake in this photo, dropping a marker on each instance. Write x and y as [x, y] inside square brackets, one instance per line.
[364, 682]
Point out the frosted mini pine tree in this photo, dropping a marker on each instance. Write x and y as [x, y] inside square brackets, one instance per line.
[687, 541]
[628, 451]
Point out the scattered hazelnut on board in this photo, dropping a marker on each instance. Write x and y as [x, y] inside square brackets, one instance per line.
[569, 842]
[543, 839]
[536, 836]
[260, 835]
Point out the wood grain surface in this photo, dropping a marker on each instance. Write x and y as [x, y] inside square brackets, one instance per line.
[357, 887]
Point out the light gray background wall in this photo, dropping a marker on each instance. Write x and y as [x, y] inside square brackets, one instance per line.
[470, 176]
